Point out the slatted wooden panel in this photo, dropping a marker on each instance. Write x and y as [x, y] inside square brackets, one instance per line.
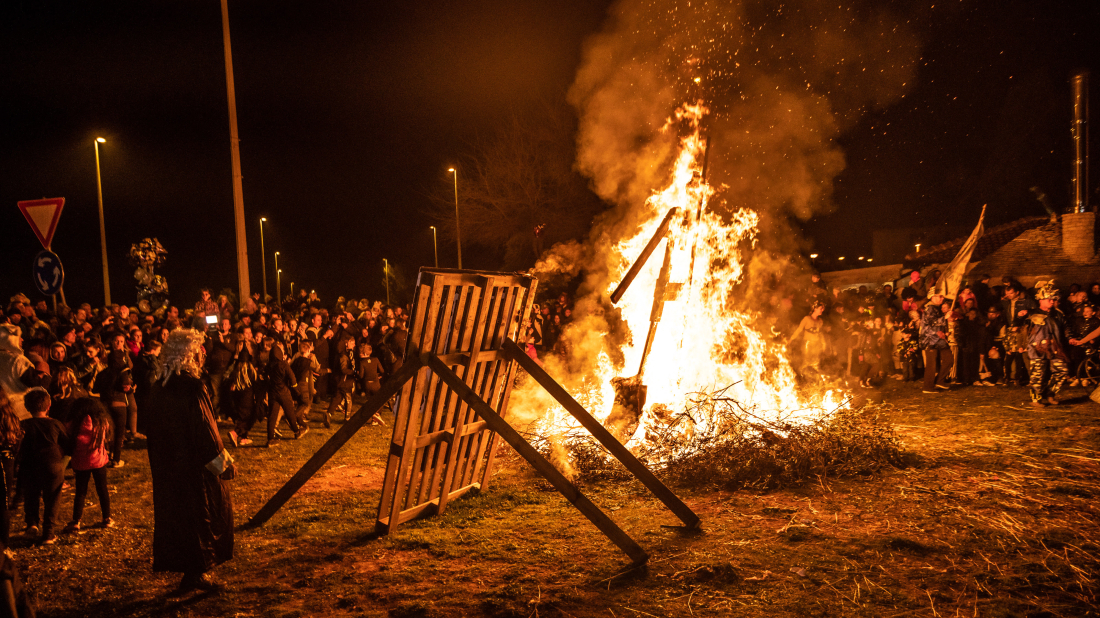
[441, 449]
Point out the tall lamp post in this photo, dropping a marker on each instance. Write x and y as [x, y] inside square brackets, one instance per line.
[435, 246]
[386, 271]
[278, 288]
[458, 230]
[239, 223]
[102, 227]
[263, 256]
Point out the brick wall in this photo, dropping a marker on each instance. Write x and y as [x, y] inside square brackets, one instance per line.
[1038, 254]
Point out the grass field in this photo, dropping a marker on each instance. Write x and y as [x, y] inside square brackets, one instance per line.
[995, 515]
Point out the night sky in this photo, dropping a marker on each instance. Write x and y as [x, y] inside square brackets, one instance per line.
[350, 114]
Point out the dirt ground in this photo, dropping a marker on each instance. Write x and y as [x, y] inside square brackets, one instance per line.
[996, 516]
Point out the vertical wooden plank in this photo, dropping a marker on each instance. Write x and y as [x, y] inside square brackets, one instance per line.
[402, 410]
[415, 404]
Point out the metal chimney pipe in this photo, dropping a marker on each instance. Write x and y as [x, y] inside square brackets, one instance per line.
[1081, 142]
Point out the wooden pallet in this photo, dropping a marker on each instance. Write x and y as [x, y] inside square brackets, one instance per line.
[458, 369]
[441, 449]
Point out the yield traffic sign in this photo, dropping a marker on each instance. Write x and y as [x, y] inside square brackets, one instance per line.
[43, 216]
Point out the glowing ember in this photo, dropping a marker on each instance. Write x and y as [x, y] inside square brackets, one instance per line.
[702, 344]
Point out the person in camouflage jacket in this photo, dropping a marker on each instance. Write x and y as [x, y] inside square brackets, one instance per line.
[1046, 347]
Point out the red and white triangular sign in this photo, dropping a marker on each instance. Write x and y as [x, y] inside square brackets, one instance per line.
[43, 216]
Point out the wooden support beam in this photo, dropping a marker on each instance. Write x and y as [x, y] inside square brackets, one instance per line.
[598, 431]
[636, 268]
[412, 364]
[544, 467]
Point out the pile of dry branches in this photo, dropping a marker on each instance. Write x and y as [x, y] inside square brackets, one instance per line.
[718, 442]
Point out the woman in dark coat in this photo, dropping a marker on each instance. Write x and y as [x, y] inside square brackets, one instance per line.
[192, 506]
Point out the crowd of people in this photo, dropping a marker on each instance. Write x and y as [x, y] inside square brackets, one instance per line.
[79, 386]
[988, 335]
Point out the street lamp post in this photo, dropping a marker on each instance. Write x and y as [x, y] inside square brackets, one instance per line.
[386, 271]
[435, 246]
[263, 256]
[278, 288]
[458, 230]
[102, 227]
[292, 288]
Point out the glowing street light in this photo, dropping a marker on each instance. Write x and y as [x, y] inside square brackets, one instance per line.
[435, 246]
[263, 257]
[861, 257]
[102, 227]
[458, 230]
[918, 247]
[278, 288]
[840, 259]
[813, 256]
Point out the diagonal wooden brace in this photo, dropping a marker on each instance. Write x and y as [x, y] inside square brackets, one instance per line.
[650, 247]
[544, 467]
[598, 431]
[392, 386]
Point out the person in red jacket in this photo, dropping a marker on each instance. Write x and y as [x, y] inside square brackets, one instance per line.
[92, 430]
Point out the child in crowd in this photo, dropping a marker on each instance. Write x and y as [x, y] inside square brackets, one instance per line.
[908, 350]
[92, 429]
[41, 464]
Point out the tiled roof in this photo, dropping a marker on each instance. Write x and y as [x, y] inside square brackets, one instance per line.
[991, 240]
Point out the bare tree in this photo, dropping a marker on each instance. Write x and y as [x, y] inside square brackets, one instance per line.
[518, 192]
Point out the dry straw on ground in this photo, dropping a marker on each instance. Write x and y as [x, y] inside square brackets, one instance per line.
[718, 442]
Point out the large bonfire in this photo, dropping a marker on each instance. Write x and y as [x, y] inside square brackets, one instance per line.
[704, 348]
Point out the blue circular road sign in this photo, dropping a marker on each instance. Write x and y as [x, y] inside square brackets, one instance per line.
[47, 272]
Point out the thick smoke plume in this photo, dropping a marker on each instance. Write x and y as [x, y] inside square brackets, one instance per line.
[782, 82]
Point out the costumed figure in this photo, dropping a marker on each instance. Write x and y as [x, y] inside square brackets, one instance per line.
[1046, 347]
[811, 329]
[152, 289]
[192, 506]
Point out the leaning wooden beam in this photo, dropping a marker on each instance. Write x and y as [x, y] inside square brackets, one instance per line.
[338, 439]
[556, 478]
[640, 262]
[598, 431]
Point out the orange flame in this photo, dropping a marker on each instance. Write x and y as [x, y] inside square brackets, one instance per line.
[702, 344]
